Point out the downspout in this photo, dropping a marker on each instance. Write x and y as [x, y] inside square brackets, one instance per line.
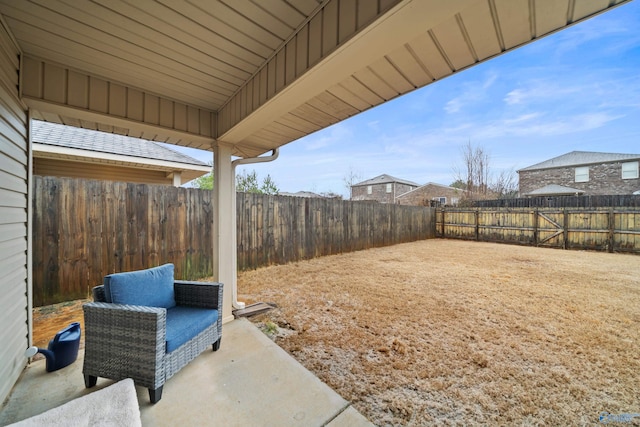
[234, 256]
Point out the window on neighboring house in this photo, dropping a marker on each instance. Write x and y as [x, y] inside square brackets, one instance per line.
[630, 170]
[582, 174]
[369, 189]
[441, 200]
[389, 187]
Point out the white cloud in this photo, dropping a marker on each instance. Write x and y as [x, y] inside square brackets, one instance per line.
[538, 124]
[333, 135]
[514, 97]
[453, 106]
[473, 92]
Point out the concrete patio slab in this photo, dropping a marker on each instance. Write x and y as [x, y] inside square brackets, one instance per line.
[249, 381]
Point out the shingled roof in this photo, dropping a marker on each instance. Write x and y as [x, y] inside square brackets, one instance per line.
[577, 158]
[54, 134]
[383, 179]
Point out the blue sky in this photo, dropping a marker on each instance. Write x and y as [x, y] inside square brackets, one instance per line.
[578, 89]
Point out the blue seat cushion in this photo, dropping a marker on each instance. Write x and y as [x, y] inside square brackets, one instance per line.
[152, 287]
[184, 323]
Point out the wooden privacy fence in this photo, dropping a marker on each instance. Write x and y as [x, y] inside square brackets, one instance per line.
[604, 229]
[281, 229]
[85, 229]
[622, 201]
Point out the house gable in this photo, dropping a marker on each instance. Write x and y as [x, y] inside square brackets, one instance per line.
[431, 192]
[383, 188]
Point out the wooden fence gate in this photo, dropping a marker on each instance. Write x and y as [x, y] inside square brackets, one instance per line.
[604, 229]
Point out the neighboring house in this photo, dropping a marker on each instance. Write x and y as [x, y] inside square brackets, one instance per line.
[307, 194]
[383, 189]
[582, 172]
[67, 151]
[431, 192]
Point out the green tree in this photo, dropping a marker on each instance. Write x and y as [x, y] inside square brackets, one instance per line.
[247, 182]
[204, 182]
[269, 186]
[458, 183]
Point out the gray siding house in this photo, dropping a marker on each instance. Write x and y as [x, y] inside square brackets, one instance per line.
[383, 189]
[582, 173]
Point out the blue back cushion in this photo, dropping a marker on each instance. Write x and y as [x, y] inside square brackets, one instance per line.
[184, 323]
[152, 287]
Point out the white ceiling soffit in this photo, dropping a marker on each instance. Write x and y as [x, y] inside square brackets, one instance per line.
[262, 68]
[197, 51]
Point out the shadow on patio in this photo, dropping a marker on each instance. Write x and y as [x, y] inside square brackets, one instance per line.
[249, 381]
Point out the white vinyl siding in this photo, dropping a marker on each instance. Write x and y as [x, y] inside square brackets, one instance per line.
[582, 174]
[14, 264]
[630, 170]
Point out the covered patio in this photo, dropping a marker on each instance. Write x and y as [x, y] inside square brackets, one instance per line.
[237, 78]
[249, 381]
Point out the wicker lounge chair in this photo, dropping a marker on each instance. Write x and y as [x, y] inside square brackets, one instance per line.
[146, 326]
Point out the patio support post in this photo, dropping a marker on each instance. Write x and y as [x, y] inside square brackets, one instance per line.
[224, 266]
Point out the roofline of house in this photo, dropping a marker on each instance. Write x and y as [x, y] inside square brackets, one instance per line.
[76, 154]
[430, 183]
[571, 165]
[391, 179]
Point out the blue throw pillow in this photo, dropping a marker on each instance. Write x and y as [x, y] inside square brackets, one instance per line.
[152, 287]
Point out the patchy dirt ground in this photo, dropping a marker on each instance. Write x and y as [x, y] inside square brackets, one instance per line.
[455, 333]
[50, 319]
[462, 333]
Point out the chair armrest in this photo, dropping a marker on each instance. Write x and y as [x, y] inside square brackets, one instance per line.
[125, 341]
[117, 327]
[198, 294]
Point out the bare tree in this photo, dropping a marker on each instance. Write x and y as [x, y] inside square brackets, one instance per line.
[475, 171]
[350, 178]
[476, 175]
[505, 184]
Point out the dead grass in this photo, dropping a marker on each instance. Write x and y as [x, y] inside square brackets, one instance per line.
[453, 332]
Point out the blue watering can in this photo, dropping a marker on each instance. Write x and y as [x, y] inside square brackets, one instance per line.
[62, 350]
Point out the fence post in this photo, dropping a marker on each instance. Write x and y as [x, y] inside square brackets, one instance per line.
[565, 229]
[477, 215]
[535, 227]
[612, 227]
[442, 224]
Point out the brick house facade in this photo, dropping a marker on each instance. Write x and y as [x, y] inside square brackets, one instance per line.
[431, 192]
[383, 189]
[590, 172]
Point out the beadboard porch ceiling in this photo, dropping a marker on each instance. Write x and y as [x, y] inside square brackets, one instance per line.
[256, 74]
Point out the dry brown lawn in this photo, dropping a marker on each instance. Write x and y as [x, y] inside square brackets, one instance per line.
[454, 332]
